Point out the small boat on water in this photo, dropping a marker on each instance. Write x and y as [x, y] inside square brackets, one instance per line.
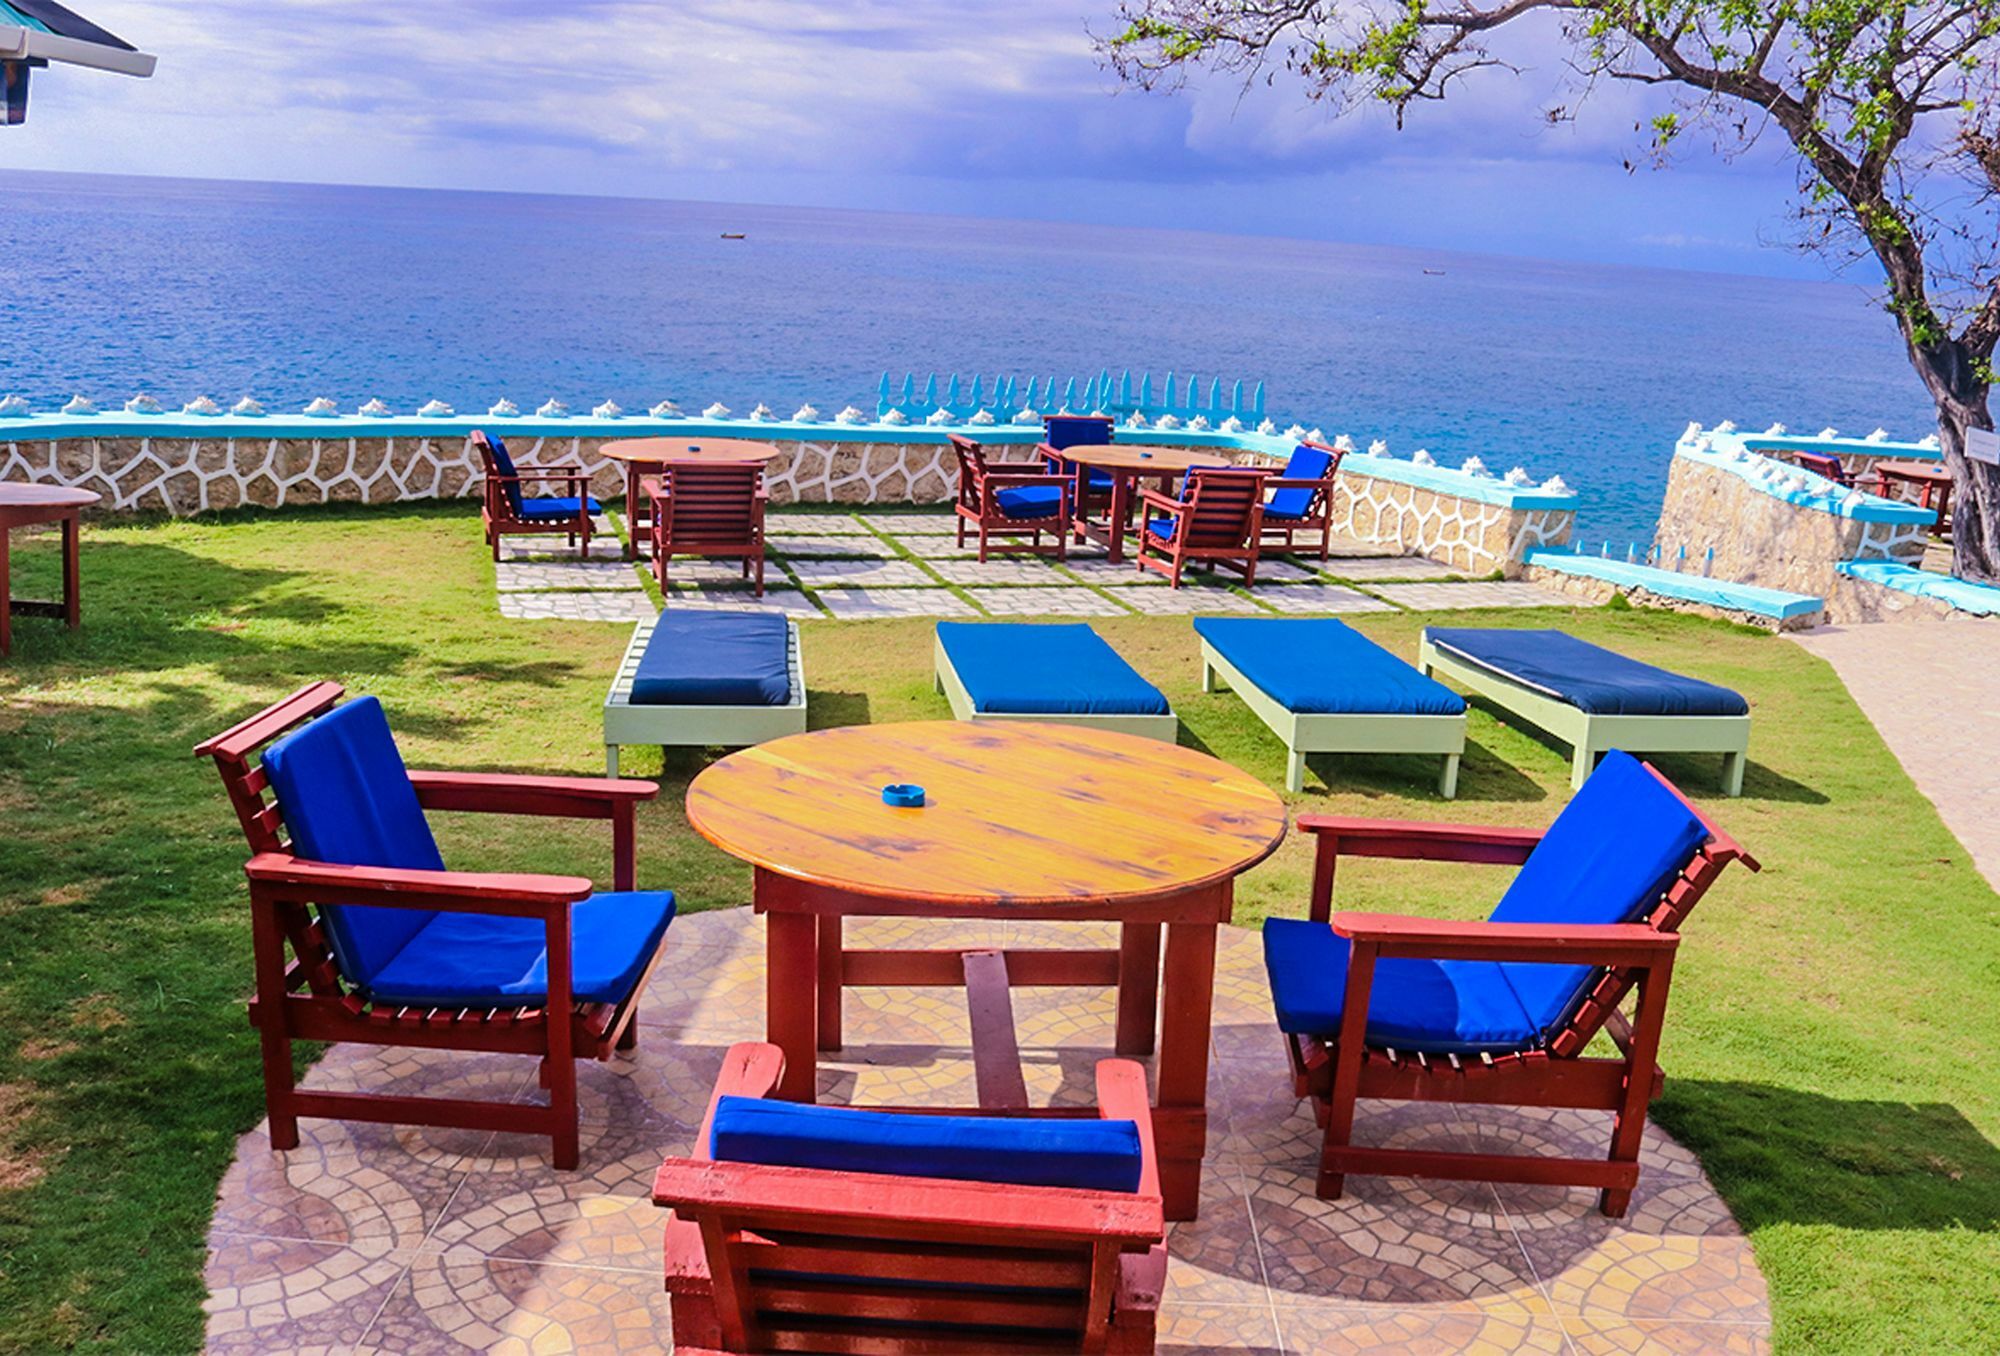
[734, 235]
[1434, 272]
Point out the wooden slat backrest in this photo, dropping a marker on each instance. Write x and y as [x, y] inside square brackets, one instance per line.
[1683, 892]
[971, 471]
[712, 503]
[1222, 504]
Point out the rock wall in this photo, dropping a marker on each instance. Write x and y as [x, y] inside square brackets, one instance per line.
[1759, 538]
[1476, 537]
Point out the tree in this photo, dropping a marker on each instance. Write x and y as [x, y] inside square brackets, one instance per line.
[1889, 106]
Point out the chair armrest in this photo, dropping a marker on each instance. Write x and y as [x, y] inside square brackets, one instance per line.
[518, 896]
[1632, 944]
[1163, 502]
[1293, 483]
[577, 474]
[759, 1196]
[1421, 841]
[1122, 1096]
[749, 1069]
[506, 793]
[1006, 478]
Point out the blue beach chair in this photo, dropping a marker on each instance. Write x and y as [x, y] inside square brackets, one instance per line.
[506, 511]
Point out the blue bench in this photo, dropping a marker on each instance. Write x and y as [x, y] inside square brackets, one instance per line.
[1593, 699]
[1046, 671]
[697, 679]
[1323, 687]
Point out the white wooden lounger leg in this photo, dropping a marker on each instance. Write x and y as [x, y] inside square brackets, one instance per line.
[1582, 761]
[1448, 779]
[1295, 770]
[1732, 773]
[611, 760]
[1209, 684]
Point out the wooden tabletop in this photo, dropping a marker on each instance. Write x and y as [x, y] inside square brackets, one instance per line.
[1914, 470]
[683, 451]
[15, 493]
[1139, 457]
[1018, 812]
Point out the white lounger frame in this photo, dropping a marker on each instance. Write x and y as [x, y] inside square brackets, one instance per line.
[1166, 727]
[1590, 736]
[1305, 732]
[696, 726]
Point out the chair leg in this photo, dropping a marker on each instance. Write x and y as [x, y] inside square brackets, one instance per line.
[760, 576]
[628, 1039]
[564, 1151]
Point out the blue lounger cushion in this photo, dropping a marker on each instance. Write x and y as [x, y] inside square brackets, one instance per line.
[1608, 858]
[715, 659]
[1029, 501]
[536, 510]
[1588, 677]
[347, 799]
[1093, 1155]
[1045, 669]
[484, 960]
[1306, 463]
[1322, 666]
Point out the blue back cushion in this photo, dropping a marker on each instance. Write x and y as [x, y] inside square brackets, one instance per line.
[716, 659]
[1588, 677]
[1307, 463]
[503, 461]
[347, 799]
[1069, 430]
[1061, 668]
[1607, 859]
[1023, 1151]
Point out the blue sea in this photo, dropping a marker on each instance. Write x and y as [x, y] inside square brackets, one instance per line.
[288, 292]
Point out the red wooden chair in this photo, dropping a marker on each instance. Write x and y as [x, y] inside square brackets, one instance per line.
[390, 948]
[1500, 1012]
[1093, 489]
[1218, 520]
[506, 511]
[810, 1258]
[1301, 499]
[1832, 468]
[712, 510]
[1011, 504]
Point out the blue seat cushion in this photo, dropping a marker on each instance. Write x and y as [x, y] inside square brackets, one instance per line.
[1608, 858]
[484, 960]
[1587, 676]
[1324, 666]
[1439, 1007]
[1018, 668]
[1162, 528]
[503, 461]
[538, 510]
[1306, 463]
[347, 799]
[1030, 501]
[1094, 1155]
[715, 659]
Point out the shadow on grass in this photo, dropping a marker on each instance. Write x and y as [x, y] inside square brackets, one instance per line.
[1786, 1156]
[829, 710]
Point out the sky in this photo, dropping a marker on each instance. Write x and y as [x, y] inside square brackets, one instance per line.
[994, 108]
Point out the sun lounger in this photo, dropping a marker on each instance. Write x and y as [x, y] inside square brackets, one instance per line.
[706, 678]
[1057, 672]
[1323, 687]
[1591, 698]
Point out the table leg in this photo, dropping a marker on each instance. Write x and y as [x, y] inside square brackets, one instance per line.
[1183, 1067]
[6, 594]
[1114, 533]
[791, 969]
[830, 968]
[1138, 987]
[632, 497]
[72, 592]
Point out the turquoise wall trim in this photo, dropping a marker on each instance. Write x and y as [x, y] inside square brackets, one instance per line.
[1726, 451]
[1840, 447]
[35, 428]
[1750, 598]
[1964, 595]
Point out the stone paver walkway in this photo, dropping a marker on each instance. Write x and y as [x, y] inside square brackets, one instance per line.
[388, 1239]
[1933, 691]
[883, 563]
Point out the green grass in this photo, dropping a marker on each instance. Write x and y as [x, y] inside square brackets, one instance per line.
[1832, 1050]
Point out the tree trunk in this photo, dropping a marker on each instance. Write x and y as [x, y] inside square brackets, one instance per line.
[1963, 402]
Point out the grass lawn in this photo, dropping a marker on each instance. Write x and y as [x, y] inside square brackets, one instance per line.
[1832, 1050]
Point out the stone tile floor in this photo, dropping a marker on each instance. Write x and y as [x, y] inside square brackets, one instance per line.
[395, 1239]
[861, 564]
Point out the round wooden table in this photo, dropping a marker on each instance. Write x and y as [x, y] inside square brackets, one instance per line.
[25, 506]
[1127, 464]
[649, 456]
[1021, 821]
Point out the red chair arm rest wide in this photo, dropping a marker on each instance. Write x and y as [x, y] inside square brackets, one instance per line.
[506, 793]
[1164, 503]
[1498, 844]
[1010, 478]
[1633, 944]
[527, 896]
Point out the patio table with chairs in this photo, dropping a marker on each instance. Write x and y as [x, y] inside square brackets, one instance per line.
[1930, 480]
[648, 457]
[1128, 465]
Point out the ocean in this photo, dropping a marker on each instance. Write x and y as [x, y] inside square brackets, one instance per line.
[285, 292]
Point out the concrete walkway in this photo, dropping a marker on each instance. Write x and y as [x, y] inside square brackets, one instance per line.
[1933, 690]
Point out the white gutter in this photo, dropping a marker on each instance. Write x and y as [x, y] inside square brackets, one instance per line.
[28, 43]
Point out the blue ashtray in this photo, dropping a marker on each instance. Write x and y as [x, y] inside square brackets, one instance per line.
[903, 794]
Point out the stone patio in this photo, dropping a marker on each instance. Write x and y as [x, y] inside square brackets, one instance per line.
[399, 1240]
[907, 565]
